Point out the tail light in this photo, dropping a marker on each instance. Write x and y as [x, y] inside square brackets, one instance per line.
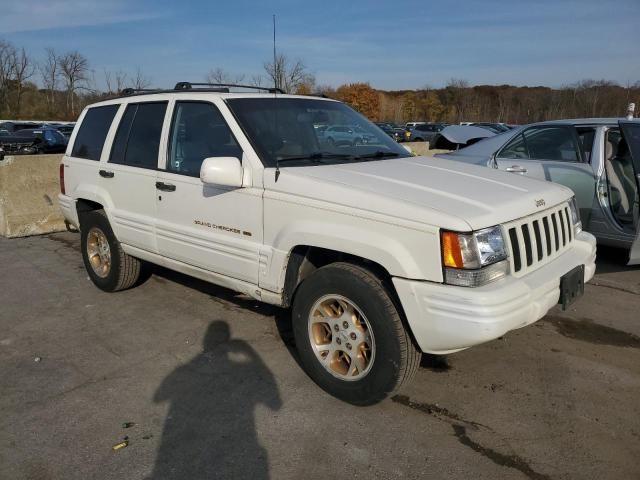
[62, 189]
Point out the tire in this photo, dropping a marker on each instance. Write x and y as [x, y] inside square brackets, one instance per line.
[392, 359]
[121, 271]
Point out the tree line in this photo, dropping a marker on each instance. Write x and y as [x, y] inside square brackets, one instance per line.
[60, 84]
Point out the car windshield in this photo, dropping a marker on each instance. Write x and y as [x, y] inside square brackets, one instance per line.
[311, 130]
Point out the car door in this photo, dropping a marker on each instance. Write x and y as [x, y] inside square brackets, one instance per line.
[129, 176]
[552, 153]
[631, 133]
[216, 228]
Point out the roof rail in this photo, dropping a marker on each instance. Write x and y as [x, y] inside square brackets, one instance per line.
[134, 91]
[226, 86]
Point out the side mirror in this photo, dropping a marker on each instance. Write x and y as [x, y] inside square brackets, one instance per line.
[224, 171]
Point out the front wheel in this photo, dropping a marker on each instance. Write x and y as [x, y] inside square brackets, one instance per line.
[350, 336]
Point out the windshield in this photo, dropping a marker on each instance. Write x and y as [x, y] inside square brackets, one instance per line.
[310, 130]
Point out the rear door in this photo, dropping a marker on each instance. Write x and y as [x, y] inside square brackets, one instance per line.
[130, 174]
[631, 133]
[552, 153]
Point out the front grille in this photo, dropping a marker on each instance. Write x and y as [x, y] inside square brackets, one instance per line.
[537, 239]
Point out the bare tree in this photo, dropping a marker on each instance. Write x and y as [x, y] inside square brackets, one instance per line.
[459, 97]
[74, 69]
[289, 76]
[7, 56]
[218, 75]
[49, 70]
[23, 70]
[141, 81]
[115, 82]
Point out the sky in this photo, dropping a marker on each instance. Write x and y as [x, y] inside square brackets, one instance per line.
[390, 44]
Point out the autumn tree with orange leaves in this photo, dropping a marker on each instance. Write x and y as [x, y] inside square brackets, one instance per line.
[362, 97]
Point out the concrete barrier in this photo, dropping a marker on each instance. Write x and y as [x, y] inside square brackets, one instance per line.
[422, 149]
[29, 187]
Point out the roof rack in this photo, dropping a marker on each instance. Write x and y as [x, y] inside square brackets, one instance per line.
[226, 86]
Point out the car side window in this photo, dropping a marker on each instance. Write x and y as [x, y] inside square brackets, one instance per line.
[516, 148]
[138, 137]
[543, 143]
[198, 131]
[93, 132]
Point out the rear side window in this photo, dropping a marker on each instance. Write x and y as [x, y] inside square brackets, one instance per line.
[138, 137]
[93, 132]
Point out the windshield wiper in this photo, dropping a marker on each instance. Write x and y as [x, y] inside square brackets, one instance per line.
[313, 157]
[378, 154]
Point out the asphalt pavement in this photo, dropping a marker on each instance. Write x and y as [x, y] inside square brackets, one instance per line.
[203, 383]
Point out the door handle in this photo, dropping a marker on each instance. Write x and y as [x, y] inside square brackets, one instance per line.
[106, 174]
[516, 169]
[165, 187]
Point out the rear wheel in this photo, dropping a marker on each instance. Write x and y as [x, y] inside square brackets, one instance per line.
[350, 335]
[108, 266]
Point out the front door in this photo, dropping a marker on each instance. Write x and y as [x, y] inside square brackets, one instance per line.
[552, 153]
[631, 133]
[218, 229]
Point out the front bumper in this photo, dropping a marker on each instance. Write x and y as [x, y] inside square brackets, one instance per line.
[446, 319]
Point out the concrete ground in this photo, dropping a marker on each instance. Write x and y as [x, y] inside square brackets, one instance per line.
[559, 399]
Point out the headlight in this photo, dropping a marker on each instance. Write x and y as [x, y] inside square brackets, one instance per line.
[474, 259]
[575, 215]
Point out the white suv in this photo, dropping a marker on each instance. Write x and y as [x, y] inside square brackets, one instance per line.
[379, 254]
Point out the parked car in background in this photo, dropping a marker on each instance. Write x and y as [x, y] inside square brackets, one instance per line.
[596, 157]
[11, 126]
[35, 140]
[344, 135]
[65, 129]
[453, 137]
[493, 127]
[424, 132]
[390, 130]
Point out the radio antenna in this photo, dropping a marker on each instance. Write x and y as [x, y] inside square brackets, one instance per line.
[275, 90]
[275, 65]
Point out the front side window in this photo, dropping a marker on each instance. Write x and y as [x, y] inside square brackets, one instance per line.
[93, 132]
[198, 131]
[543, 143]
[288, 129]
[138, 137]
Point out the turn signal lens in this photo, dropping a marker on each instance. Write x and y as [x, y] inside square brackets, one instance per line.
[451, 253]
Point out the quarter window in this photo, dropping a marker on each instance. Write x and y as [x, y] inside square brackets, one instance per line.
[138, 137]
[93, 132]
[198, 131]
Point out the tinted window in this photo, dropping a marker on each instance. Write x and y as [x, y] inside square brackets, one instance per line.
[516, 148]
[138, 138]
[585, 137]
[198, 131]
[543, 143]
[93, 131]
[551, 143]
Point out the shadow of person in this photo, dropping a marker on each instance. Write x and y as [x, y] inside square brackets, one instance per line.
[210, 430]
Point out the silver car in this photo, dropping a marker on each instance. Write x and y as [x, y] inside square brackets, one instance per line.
[598, 158]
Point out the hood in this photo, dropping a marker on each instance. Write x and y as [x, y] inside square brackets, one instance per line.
[436, 192]
[461, 134]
